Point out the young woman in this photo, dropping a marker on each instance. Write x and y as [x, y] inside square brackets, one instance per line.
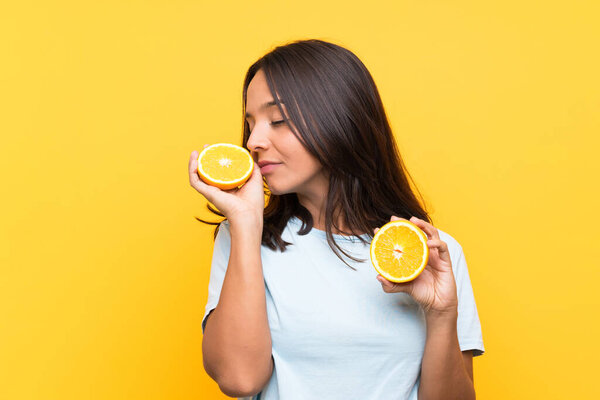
[295, 308]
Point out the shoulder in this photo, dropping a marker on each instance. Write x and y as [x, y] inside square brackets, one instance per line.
[452, 243]
[222, 235]
[224, 226]
[454, 247]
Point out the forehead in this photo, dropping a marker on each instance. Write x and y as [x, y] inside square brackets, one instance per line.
[259, 97]
[258, 83]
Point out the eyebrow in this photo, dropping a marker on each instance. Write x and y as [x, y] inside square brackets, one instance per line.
[265, 105]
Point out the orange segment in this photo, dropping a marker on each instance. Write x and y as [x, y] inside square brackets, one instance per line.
[225, 165]
[399, 251]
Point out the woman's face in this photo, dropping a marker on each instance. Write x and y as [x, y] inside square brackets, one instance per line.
[296, 170]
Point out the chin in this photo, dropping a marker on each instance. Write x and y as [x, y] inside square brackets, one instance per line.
[278, 190]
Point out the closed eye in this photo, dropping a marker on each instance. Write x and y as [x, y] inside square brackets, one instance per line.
[277, 122]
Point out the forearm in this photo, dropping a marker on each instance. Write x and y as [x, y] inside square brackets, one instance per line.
[237, 342]
[443, 372]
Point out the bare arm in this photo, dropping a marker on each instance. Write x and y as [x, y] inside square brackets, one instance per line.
[468, 359]
[237, 340]
[446, 373]
[236, 346]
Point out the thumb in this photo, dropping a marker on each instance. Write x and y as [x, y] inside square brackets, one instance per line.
[256, 172]
[255, 177]
[394, 287]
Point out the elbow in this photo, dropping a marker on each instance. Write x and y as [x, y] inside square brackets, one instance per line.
[236, 384]
[238, 388]
[237, 377]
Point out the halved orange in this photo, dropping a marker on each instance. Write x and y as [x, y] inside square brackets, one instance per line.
[225, 165]
[399, 251]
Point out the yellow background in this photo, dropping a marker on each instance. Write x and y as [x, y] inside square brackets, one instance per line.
[104, 270]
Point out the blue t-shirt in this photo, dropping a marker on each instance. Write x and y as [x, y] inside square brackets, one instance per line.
[335, 333]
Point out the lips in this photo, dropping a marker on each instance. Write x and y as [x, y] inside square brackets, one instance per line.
[266, 162]
[267, 166]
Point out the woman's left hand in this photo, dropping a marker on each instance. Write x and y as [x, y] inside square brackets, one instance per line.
[435, 288]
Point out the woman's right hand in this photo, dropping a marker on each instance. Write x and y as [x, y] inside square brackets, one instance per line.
[247, 201]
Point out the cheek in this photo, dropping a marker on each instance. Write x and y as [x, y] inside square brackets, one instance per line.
[310, 165]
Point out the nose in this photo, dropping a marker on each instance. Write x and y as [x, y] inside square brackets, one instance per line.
[259, 139]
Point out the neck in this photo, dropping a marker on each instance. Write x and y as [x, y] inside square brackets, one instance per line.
[316, 206]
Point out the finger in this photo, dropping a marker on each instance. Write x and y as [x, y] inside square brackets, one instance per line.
[376, 230]
[254, 179]
[193, 168]
[386, 285]
[256, 174]
[392, 218]
[208, 191]
[431, 230]
[193, 163]
[194, 157]
[442, 248]
[197, 183]
[394, 287]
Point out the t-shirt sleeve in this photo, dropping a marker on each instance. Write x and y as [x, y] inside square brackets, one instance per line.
[218, 267]
[468, 324]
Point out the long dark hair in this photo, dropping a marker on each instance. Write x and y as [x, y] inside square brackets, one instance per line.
[346, 130]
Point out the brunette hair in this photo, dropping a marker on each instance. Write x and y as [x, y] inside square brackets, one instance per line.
[346, 130]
